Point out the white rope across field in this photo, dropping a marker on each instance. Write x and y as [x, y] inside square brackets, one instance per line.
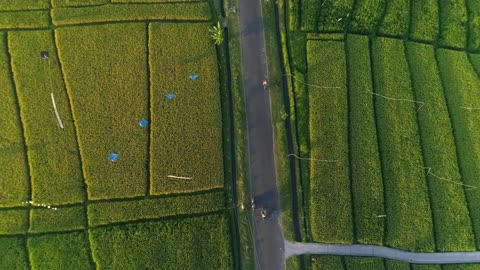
[179, 177]
[399, 99]
[56, 111]
[470, 108]
[322, 160]
[311, 85]
[429, 172]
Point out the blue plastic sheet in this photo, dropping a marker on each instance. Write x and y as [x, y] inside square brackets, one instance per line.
[143, 123]
[113, 157]
[170, 96]
[193, 77]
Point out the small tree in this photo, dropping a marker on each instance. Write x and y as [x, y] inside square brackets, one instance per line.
[216, 34]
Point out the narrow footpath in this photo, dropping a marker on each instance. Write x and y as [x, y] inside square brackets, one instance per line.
[269, 253]
[292, 249]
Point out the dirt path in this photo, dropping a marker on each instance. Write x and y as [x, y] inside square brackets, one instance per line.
[292, 249]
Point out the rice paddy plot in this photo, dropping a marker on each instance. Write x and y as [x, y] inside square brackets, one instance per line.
[15, 180]
[13, 221]
[13, 20]
[14, 254]
[107, 99]
[186, 128]
[56, 220]
[56, 174]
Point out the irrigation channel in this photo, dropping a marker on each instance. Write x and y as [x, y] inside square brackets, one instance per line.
[269, 243]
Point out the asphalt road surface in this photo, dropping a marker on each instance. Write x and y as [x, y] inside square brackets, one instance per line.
[269, 243]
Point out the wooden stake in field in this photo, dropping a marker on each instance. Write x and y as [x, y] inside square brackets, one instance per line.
[179, 177]
[56, 111]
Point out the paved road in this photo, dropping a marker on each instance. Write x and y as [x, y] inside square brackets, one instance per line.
[268, 235]
[296, 248]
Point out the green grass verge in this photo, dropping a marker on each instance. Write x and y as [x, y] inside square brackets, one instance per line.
[108, 100]
[425, 267]
[13, 255]
[461, 267]
[61, 219]
[190, 243]
[424, 20]
[77, 3]
[396, 265]
[14, 221]
[333, 15]
[453, 228]
[23, 4]
[366, 15]
[473, 8]
[409, 217]
[55, 172]
[330, 198]
[459, 84]
[121, 211]
[396, 19]
[15, 180]
[190, 124]
[366, 173]
[60, 251]
[363, 263]
[131, 12]
[326, 262]
[24, 20]
[453, 23]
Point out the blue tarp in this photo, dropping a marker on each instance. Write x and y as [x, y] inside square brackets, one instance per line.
[143, 123]
[193, 77]
[170, 95]
[113, 157]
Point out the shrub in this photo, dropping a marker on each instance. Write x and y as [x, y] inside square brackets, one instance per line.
[396, 18]
[409, 217]
[366, 173]
[14, 254]
[111, 212]
[424, 20]
[334, 15]
[14, 221]
[132, 12]
[186, 131]
[453, 227]
[366, 15]
[460, 86]
[453, 23]
[108, 100]
[330, 205]
[199, 243]
[23, 4]
[60, 251]
[15, 181]
[55, 172]
[62, 219]
[24, 19]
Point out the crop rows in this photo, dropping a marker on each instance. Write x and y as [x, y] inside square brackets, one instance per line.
[23, 4]
[190, 123]
[108, 100]
[453, 23]
[55, 173]
[366, 15]
[77, 3]
[14, 221]
[395, 20]
[424, 20]
[366, 174]
[406, 195]
[461, 86]
[473, 8]
[333, 15]
[453, 228]
[122, 211]
[13, 255]
[15, 182]
[24, 19]
[330, 202]
[132, 12]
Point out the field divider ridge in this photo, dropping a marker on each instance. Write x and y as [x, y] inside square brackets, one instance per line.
[21, 121]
